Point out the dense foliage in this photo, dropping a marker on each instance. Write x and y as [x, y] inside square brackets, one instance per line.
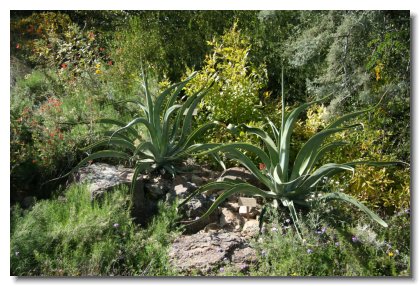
[69, 69]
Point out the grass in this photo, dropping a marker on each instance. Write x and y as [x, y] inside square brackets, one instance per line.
[78, 237]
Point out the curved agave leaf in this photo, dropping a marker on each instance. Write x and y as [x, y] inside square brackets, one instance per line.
[326, 170]
[269, 143]
[194, 135]
[377, 163]
[276, 132]
[321, 153]
[209, 187]
[176, 126]
[247, 163]
[245, 146]
[350, 199]
[310, 149]
[149, 100]
[186, 126]
[148, 150]
[289, 204]
[165, 129]
[119, 135]
[158, 104]
[243, 188]
[140, 167]
[349, 116]
[286, 132]
[149, 126]
[131, 130]
[113, 141]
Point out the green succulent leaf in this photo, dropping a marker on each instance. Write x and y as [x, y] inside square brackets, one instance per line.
[350, 199]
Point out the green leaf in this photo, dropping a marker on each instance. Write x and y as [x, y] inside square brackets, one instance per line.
[310, 149]
[286, 132]
[350, 199]
[243, 188]
[132, 131]
[113, 141]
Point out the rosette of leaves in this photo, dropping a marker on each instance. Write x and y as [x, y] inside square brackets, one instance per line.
[168, 126]
[288, 186]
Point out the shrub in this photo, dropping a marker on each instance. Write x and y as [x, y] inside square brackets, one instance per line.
[234, 96]
[74, 236]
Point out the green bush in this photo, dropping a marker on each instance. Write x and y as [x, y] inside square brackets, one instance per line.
[50, 121]
[234, 98]
[74, 236]
[354, 249]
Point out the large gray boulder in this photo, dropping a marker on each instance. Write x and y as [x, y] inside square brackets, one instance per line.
[102, 177]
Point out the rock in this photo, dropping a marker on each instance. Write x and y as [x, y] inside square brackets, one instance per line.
[197, 180]
[194, 209]
[244, 257]
[157, 187]
[248, 212]
[206, 252]
[180, 191]
[230, 220]
[251, 228]
[102, 177]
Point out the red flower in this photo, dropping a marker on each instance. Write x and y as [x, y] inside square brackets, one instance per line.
[18, 46]
[262, 166]
[102, 49]
[63, 66]
[110, 63]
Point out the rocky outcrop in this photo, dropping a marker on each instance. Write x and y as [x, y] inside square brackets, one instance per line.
[205, 253]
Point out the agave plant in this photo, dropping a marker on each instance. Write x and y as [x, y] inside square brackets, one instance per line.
[292, 186]
[168, 125]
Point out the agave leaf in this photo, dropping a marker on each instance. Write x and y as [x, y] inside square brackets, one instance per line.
[289, 204]
[269, 143]
[247, 163]
[165, 129]
[209, 187]
[326, 170]
[243, 188]
[376, 163]
[321, 153]
[350, 199]
[113, 141]
[286, 132]
[149, 126]
[147, 149]
[149, 100]
[121, 124]
[245, 146]
[193, 136]
[310, 149]
[349, 116]
[140, 167]
[190, 149]
[179, 87]
[180, 115]
[276, 132]
[186, 127]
